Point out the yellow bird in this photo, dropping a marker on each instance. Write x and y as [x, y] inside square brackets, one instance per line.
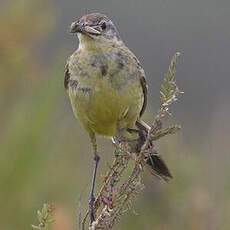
[107, 87]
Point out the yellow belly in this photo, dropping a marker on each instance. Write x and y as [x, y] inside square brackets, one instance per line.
[105, 110]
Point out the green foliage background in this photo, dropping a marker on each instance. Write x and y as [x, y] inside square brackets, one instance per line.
[45, 155]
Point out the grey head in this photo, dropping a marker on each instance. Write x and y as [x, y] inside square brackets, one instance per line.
[96, 26]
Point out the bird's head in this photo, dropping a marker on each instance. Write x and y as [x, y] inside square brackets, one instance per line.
[95, 26]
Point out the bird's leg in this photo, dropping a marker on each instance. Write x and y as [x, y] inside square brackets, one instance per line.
[96, 159]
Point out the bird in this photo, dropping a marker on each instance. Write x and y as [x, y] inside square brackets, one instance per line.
[107, 88]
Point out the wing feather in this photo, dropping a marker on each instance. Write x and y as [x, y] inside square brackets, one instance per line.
[67, 77]
[144, 88]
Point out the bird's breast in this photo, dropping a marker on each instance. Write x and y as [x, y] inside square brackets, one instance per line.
[108, 92]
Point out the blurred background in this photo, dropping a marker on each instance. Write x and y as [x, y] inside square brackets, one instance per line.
[45, 155]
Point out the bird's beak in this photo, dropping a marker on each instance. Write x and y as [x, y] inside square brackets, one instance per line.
[76, 27]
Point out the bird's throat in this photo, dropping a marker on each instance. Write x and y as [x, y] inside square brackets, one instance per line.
[86, 42]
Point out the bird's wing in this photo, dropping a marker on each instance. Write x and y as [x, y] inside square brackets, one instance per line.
[67, 76]
[142, 81]
[144, 88]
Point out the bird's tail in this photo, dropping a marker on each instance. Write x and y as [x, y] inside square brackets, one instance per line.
[158, 167]
[155, 163]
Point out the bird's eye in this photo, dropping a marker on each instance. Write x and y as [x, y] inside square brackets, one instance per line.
[103, 26]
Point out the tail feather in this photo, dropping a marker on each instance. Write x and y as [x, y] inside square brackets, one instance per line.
[158, 167]
[155, 163]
